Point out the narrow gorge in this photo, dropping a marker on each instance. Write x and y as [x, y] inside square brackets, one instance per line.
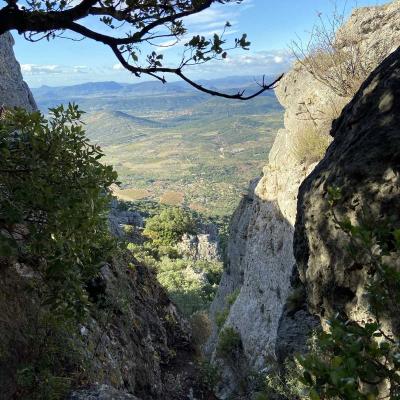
[287, 267]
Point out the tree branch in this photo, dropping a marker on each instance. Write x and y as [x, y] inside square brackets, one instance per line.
[178, 71]
[144, 16]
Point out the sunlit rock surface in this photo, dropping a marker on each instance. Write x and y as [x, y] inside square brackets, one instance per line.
[14, 92]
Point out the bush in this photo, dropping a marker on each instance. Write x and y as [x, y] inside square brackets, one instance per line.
[210, 374]
[190, 284]
[229, 343]
[231, 298]
[337, 58]
[221, 317]
[168, 227]
[309, 145]
[201, 327]
[286, 382]
[187, 284]
[52, 362]
[54, 201]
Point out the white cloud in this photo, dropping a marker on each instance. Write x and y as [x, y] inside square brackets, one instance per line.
[80, 69]
[40, 69]
[279, 59]
[118, 67]
[260, 63]
[261, 59]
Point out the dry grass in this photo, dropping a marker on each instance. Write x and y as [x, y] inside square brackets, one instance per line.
[309, 145]
[172, 198]
[132, 194]
[197, 207]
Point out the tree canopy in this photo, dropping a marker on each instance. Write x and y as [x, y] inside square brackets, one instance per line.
[127, 26]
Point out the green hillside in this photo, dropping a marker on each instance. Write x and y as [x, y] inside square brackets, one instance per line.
[177, 145]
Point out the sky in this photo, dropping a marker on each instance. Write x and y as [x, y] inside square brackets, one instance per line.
[271, 25]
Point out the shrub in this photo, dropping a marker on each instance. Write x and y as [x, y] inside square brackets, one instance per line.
[168, 227]
[221, 317]
[201, 327]
[337, 58]
[231, 298]
[52, 362]
[54, 201]
[210, 374]
[186, 283]
[286, 382]
[128, 229]
[229, 343]
[309, 145]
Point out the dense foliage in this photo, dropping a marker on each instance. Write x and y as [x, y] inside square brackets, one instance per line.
[190, 283]
[169, 226]
[53, 202]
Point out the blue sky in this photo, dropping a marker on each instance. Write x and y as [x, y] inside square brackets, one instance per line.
[270, 24]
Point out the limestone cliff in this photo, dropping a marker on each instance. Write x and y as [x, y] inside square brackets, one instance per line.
[14, 92]
[260, 251]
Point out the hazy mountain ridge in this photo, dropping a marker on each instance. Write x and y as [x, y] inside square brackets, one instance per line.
[142, 88]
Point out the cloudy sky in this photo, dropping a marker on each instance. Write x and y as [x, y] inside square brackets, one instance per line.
[271, 25]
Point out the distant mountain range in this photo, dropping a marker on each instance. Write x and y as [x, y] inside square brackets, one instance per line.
[230, 84]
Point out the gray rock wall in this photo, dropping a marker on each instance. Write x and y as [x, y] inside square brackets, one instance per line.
[14, 92]
[364, 162]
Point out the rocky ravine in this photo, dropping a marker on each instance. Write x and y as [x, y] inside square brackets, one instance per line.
[260, 252]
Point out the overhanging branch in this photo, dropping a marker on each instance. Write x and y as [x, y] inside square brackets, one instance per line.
[144, 17]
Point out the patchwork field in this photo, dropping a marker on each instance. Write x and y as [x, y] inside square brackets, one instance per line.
[176, 145]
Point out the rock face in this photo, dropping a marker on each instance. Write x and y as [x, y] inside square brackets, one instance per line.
[134, 340]
[143, 345]
[119, 218]
[260, 252]
[203, 247]
[14, 92]
[364, 162]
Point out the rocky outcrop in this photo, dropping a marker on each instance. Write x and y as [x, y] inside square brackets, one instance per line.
[119, 218]
[14, 92]
[133, 341]
[260, 252]
[101, 392]
[204, 246]
[364, 162]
